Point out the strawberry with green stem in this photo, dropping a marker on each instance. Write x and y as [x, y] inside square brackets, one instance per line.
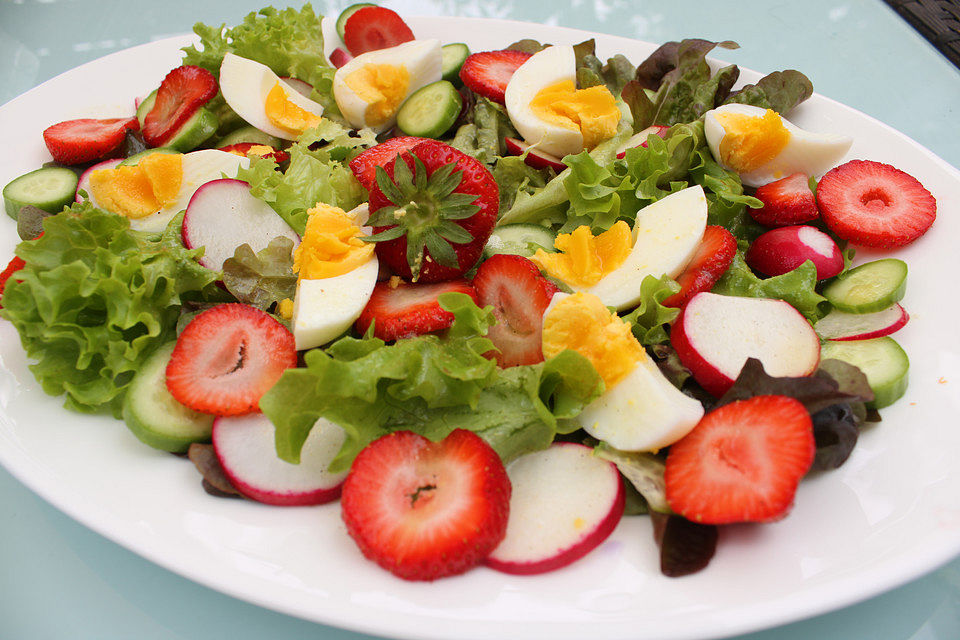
[432, 212]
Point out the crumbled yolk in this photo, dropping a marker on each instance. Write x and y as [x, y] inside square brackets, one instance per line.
[592, 111]
[285, 114]
[383, 87]
[586, 258]
[139, 190]
[749, 142]
[330, 245]
[582, 323]
[285, 308]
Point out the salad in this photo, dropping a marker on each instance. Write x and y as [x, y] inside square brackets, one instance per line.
[479, 295]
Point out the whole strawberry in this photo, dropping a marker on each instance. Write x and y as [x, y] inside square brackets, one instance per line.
[433, 212]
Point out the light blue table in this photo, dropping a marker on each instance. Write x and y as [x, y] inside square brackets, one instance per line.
[59, 580]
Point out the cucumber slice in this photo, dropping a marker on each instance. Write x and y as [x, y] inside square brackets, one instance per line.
[870, 287]
[154, 416]
[882, 360]
[452, 57]
[249, 133]
[48, 188]
[137, 157]
[519, 239]
[430, 111]
[346, 13]
[194, 131]
[145, 106]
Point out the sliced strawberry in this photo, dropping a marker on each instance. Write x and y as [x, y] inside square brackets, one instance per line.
[402, 310]
[712, 259]
[339, 57]
[519, 295]
[364, 166]
[261, 150]
[742, 462]
[374, 28]
[14, 265]
[425, 510]
[436, 213]
[875, 205]
[488, 72]
[227, 357]
[786, 202]
[182, 92]
[87, 139]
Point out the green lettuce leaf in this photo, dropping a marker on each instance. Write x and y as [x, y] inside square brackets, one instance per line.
[798, 287]
[430, 385]
[95, 299]
[264, 278]
[780, 91]
[650, 319]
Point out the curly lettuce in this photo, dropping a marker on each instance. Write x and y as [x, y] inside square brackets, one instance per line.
[95, 299]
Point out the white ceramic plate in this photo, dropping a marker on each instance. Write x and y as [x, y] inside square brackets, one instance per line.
[889, 515]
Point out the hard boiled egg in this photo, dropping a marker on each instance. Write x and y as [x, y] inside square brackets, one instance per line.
[337, 273]
[663, 240]
[550, 113]
[762, 146]
[265, 101]
[160, 185]
[370, 88]
[639, 410]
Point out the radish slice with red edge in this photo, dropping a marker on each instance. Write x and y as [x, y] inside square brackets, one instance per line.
[246, 450]
[223, 214]
[84, 183]
[640, 139]
[838, 325]
[536, 159]
[339, 57]
[565, 502]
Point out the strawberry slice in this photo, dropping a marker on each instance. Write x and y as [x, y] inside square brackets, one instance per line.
[712, 259]
[519, 295]
[433, 212]
[227, 357]
[339, 57]
[87, 139]
[425, 510]
[14, 265]
[488, 72]
[261, 150]
[374, 28]
[786, 202]
[874, 204]
[364, 166]
[183, 91]
[742, 462]
[402, 310]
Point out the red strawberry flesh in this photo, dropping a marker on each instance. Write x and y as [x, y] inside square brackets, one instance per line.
[87, 139]
[786, 202]
[425, 510]
[183, 91]
[742, 462]
[374, 28]
[364, 166]
[875, 205]
[13, 266]
[402, 310]
[489, 72]
[712, 259]
[227, 357]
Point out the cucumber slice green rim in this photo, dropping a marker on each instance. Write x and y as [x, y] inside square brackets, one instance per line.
[346, 13]
[145, 106]
[195, 131]
[520, 239]
[430, 111]
[47, 188]
[249, 133]
[452, 57]
[870, 287]
[882, 360]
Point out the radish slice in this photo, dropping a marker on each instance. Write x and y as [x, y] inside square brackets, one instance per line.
[339, 57]
[301, 87]
[565, 502]
[246, 450]
[536, 159]
[84, 183]
[640, 139]
[838, 325]
[223, 214]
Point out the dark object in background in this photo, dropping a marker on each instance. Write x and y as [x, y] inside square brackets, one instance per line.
[937, 20]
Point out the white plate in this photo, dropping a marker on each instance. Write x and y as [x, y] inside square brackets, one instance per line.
[889, 515]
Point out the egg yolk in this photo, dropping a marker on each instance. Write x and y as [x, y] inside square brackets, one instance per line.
[382, 87]
[586, 258]
[330, 245]
[285, 114]
[592, 111]
[139, 190]
[582, 323]
[749, 142]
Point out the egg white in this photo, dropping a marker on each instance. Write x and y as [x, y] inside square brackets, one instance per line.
[812, 154]
[245, 84]
[422, 59]
[323, 308]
